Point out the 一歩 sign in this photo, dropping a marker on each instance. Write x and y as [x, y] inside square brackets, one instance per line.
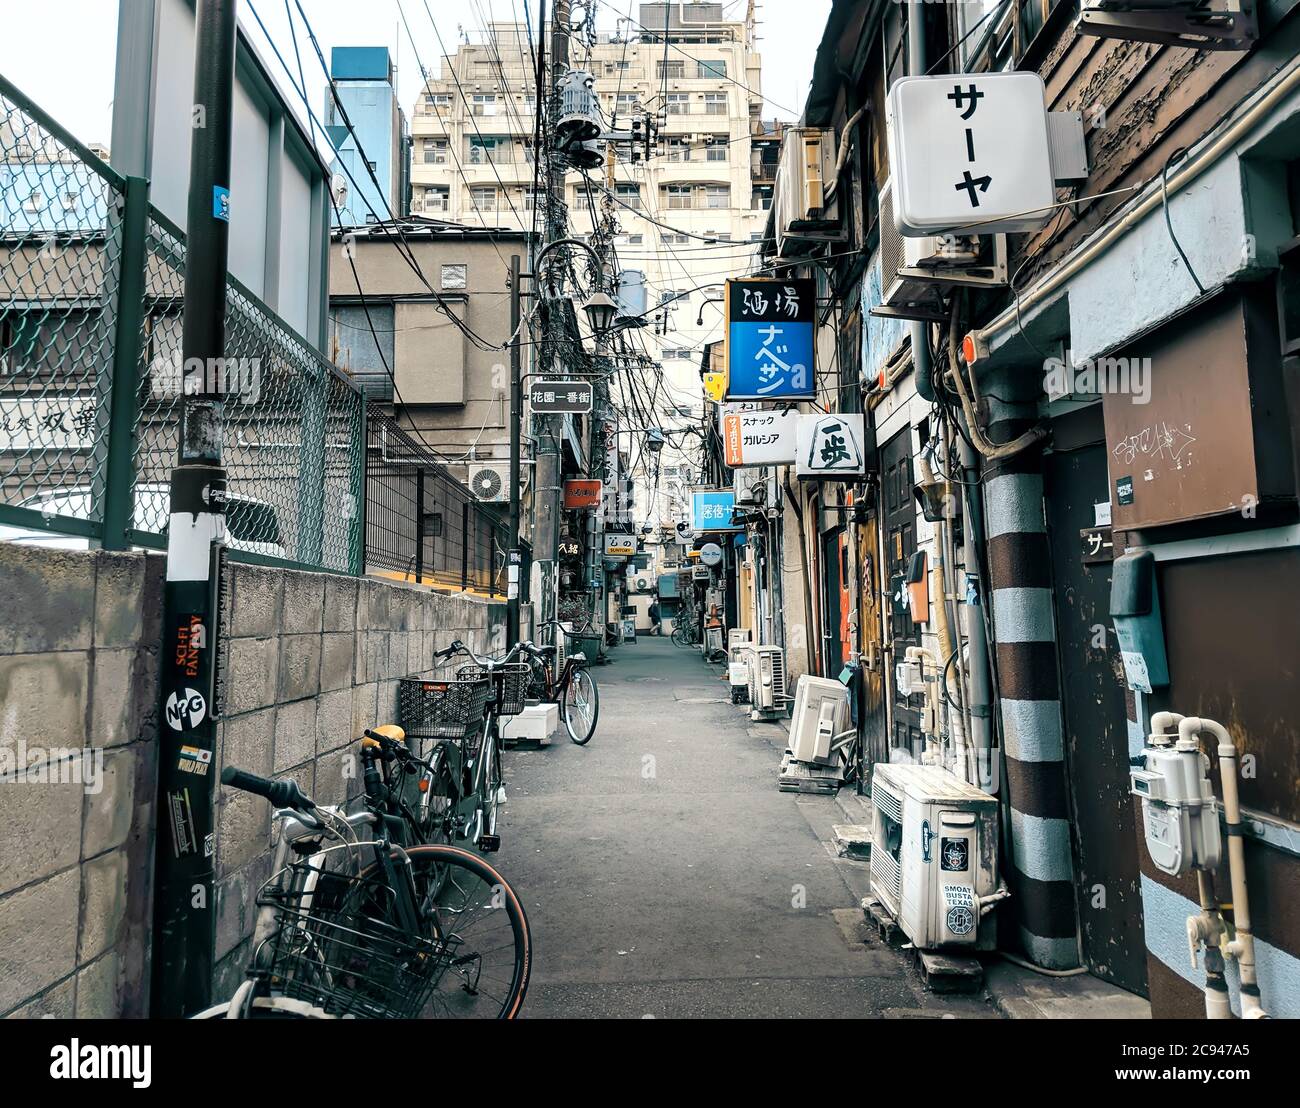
[711, 510]
[969, 151]
[770, 339]
[830, 447]
[754, 436]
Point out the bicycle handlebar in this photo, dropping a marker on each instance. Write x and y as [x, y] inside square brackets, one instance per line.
[282, 792]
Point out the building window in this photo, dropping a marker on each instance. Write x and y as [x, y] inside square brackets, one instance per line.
[679, 103]
[483, 198]
[678, 150]
[483, 103]
[716, 151]
[679, 196]
[717, 196]
[454, 276]
[435, 151]
[629, 195]
[713, 69]
[436, 101]
[627, 103]
[672, 240]
[488, 149]
[437, 198]
[672, 71]
[635, 240]
[528, 198]
[715, 103]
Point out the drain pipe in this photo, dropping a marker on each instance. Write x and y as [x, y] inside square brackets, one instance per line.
[980, 708]
[922, 367]
[1242, 945]
[1208, 928]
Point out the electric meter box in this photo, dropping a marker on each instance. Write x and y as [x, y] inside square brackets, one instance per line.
[1135, 608]
[1180, 818]
[934, 856]
[821, 711]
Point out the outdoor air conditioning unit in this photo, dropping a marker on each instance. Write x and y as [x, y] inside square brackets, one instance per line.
[767, 695]
[820, 720]
[934, 855]
[804, 173]
[1195, 24]
[490, 483]
[643, 583]
[914, 272]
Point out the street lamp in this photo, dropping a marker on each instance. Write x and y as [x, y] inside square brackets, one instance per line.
[600, 309]
[654, 440]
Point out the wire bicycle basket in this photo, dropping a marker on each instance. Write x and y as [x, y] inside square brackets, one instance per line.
[337, 944]
[510, 682]
[442, 709]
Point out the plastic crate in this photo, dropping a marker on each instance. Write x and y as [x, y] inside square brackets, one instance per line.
[510, 682]
[442, 709]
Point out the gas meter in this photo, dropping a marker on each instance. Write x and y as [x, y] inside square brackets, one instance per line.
[1179, 814]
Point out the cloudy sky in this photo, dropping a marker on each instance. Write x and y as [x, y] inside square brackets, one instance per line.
[61, 52]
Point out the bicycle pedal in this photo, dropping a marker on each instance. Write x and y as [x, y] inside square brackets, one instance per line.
[489, 844]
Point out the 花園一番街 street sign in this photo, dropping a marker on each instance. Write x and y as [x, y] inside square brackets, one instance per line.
[565, 397]
[770, 339]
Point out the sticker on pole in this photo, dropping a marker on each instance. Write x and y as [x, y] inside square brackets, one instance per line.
[221, 203]
[186, 710]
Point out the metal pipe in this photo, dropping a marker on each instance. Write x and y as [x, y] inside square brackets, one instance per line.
[922, 367]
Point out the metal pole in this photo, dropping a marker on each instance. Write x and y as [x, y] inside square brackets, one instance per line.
[184, 917]
[464, 546]
[419, 524]
[513, 566]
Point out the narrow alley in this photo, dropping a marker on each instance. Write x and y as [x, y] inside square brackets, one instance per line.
[661, 868]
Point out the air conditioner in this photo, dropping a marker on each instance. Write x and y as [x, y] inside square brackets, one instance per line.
[820, 720]
[934, 855]
[738, 638]
[804, 173]
[643, 584]
[914, 272]
[1195, 24]
[489, 483]
[767, 681]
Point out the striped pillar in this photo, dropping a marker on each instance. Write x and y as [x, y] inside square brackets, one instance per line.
[1029, 698]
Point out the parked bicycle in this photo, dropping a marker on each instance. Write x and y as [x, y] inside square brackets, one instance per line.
[685, 633]
[570, 686]
[462, 797]
[369, 927]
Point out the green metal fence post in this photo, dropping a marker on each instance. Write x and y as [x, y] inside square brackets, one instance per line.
[360, 475]
[124, 398]
[311, 476]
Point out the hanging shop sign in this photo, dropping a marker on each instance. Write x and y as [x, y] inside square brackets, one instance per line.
[582, 494]
[712, 509]
[710, 553]
[770, 339]
[569, 548]
[565, 397]
[620, 543]
[756, 436]
[970, 152]
[830, 447]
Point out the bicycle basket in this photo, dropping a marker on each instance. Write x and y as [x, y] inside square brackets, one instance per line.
[337, 944]
[442, 709]
[510, 684]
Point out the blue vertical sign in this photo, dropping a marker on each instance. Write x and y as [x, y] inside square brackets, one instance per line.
[770, 339]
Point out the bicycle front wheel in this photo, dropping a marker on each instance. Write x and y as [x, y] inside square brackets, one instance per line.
[581, 706]
[484, 932]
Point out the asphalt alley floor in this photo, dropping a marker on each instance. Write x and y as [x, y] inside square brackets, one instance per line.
[665, 876]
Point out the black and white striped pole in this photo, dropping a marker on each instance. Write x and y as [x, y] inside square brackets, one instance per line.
[184, 912]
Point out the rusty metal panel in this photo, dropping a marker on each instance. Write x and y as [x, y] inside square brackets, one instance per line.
[1189, 452]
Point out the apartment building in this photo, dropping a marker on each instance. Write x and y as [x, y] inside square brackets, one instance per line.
[687, 216]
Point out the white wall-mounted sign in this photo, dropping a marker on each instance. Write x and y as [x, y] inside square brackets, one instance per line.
[830, 447]
[756, 436]
[619, 543]
[969, 153]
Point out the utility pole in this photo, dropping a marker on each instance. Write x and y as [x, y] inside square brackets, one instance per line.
[547, 492]
[514, 567]
[184, 917]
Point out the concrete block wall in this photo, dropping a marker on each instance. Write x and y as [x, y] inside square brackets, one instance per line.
[79, 634]
[309, 660]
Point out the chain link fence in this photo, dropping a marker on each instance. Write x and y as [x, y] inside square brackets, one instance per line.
[91, 300]
[424, 525]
